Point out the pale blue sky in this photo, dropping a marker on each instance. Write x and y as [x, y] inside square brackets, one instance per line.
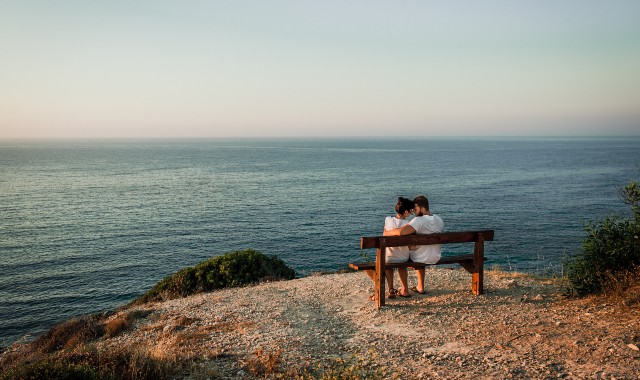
[318, 68]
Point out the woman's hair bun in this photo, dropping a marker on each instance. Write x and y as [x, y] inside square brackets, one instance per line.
[403, 205]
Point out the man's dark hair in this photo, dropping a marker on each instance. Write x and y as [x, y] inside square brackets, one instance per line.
[422, 201]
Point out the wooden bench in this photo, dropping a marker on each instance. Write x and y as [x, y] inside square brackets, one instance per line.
[473, 263]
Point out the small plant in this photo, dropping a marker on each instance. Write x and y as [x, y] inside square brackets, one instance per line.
[365, 256]
[354, 367]
[610, 253]
[263, 363]
[232, 269]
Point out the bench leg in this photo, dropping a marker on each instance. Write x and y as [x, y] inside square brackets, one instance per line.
[380, 277]
[477, 277]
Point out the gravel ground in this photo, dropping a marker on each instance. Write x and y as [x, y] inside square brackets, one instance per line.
[520, 328]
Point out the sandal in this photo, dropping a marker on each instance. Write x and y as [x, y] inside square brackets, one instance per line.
[392, 293]
[399, 294]
[415, 289]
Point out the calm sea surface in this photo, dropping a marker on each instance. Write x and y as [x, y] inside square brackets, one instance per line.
[86, 226]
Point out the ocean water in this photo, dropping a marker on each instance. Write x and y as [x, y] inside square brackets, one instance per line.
[86, 226]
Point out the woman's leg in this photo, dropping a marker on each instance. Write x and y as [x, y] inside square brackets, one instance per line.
[404, 275]
[371, 274]
[389, 274]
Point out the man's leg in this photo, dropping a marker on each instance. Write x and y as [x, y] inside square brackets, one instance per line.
[420, 273]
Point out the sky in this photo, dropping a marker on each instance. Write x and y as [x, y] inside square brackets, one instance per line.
[191, 69]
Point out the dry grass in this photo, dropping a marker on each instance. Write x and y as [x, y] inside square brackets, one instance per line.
[263, 363]
[70, 334]
[497, 272]
[126, 363]
[623, 287]
[186, 321]
[123, 322]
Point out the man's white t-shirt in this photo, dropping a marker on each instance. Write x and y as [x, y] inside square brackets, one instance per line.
[427, 224]
[395, 254]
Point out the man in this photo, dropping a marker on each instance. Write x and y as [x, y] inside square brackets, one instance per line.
[423, 223]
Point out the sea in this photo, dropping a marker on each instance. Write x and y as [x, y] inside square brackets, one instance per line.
[89, 225]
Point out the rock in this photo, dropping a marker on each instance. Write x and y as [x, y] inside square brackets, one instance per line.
[633, 347]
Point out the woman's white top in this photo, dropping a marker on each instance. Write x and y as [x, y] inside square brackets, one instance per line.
[395, 254]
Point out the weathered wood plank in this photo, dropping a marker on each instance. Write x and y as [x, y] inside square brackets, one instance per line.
[477, 277]
[371, 265]
[436, 238]
[380, 278]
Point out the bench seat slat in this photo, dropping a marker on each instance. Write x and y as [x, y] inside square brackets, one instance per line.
[410, 264]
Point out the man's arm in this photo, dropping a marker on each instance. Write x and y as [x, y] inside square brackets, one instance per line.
[407, 229]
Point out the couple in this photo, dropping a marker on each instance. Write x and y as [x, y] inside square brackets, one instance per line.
[424, 222]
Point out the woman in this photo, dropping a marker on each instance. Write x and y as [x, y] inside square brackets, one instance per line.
[404, 208]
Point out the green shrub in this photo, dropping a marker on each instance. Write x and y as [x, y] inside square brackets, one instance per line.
[232, 269]
[610, 250]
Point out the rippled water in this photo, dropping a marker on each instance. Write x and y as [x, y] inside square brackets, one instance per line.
[89, 225]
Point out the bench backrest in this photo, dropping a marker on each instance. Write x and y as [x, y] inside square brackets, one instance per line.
[437, 238]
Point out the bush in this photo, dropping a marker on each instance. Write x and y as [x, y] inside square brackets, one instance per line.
[232, 269]
[611, 250]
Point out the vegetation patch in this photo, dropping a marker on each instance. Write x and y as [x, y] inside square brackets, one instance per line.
[264, 363]
[123, 322]
[609, 261]
[70, 334]
[237, 268]
[89, 364]
[271, 365]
